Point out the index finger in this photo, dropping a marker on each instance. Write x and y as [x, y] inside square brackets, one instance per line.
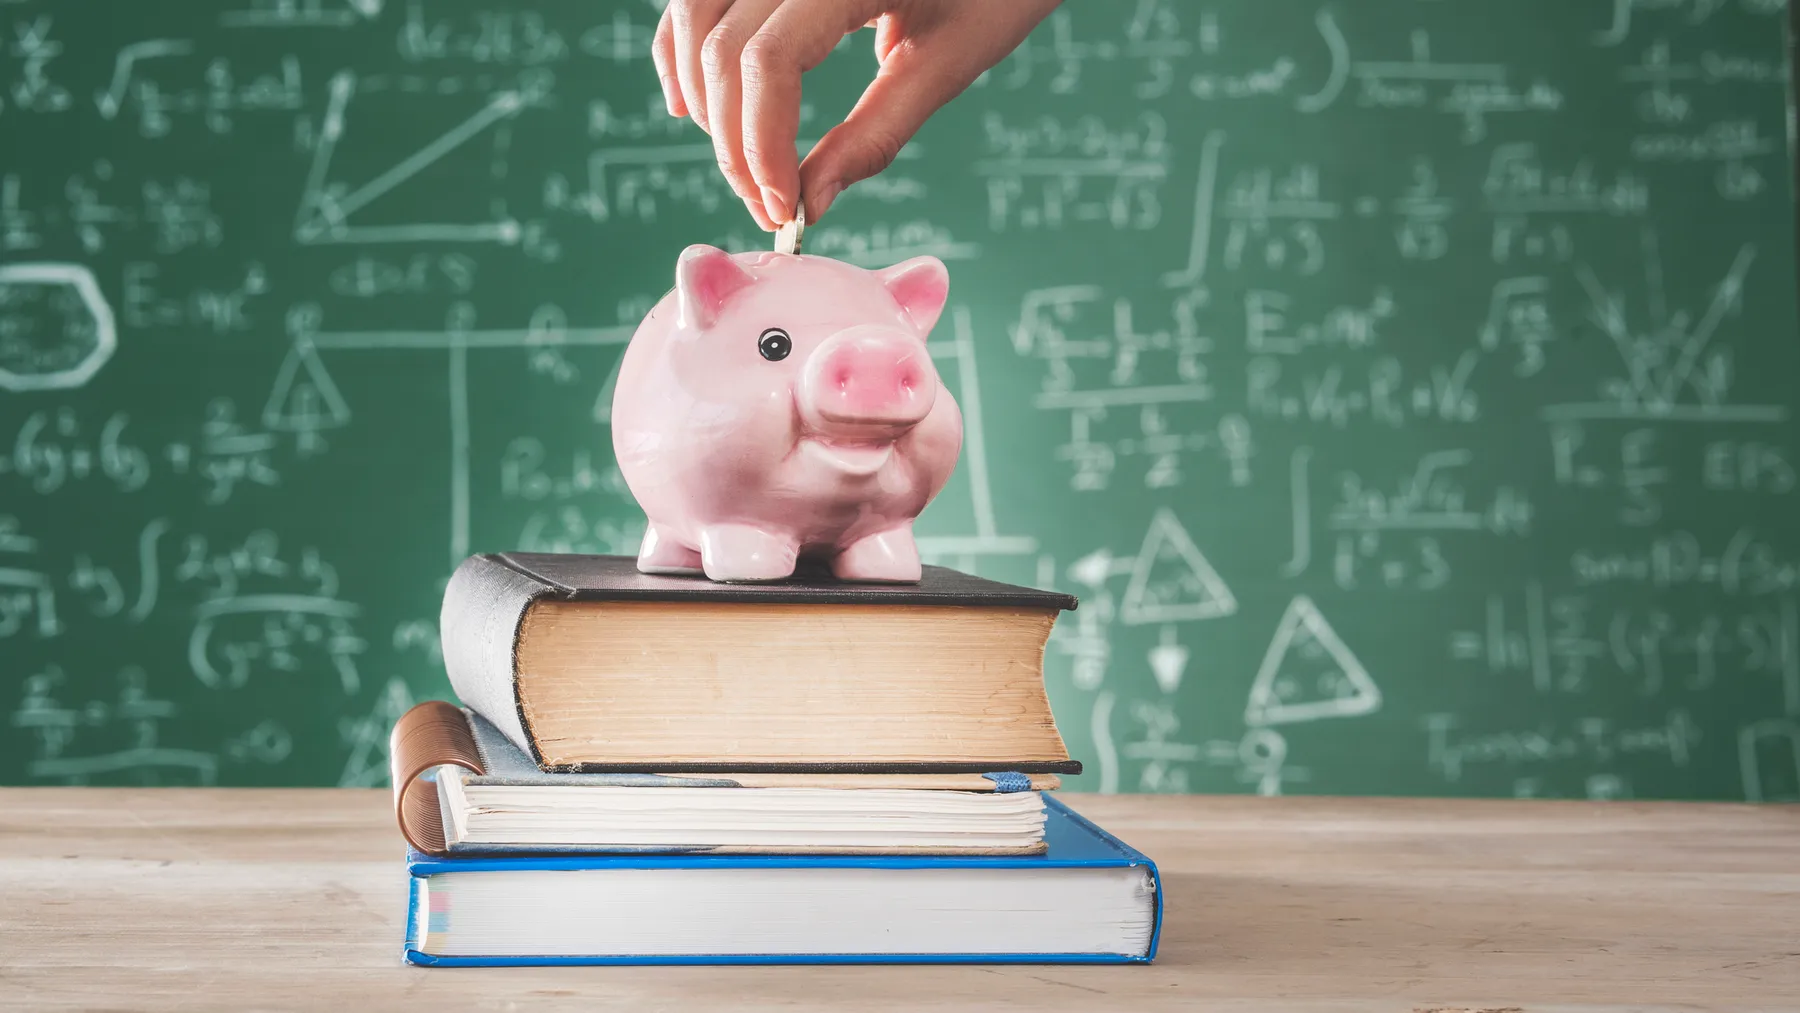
[795, 39]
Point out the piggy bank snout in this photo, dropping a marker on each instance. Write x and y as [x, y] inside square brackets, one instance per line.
[868, 377]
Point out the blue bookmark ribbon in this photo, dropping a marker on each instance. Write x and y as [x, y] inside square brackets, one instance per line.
[1008, 781]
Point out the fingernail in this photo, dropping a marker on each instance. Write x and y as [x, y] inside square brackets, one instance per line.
[759, 214]
[777, 206]
[668, 87]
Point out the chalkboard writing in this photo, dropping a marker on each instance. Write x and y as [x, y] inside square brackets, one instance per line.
[1407, 388]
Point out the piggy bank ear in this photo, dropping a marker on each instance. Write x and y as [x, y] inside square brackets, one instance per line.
[705, 279]
[920, 286]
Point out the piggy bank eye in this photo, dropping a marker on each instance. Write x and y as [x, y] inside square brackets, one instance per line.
[775, 344]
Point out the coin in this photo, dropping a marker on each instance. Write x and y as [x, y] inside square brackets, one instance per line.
[787, 238]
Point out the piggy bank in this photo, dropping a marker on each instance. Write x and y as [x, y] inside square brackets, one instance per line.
[774, 407]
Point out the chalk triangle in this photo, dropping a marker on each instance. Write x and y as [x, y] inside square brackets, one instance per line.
[1308, 673]
[304, 398]
[367, 737]
[1171, 581]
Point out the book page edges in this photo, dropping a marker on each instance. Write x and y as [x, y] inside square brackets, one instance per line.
[598, 703]
[426, 737]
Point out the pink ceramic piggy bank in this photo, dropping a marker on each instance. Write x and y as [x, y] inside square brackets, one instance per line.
[777, 406]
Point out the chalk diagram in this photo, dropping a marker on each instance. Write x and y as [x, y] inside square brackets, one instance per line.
[326, 207]
[56, 327]
[1167, 581]
[367, 737]
[1171, 581]
[1669, 375]
[304, 400]
[1308, 673]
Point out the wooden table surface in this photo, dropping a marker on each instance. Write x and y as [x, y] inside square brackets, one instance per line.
[179, 899]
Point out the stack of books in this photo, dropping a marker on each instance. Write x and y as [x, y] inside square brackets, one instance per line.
[658, 768]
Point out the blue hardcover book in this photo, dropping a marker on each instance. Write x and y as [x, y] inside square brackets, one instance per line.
[1089, 898]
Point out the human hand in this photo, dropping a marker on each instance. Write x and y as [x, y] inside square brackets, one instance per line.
[734, 66]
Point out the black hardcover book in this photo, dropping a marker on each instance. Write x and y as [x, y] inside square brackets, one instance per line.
[589, 665]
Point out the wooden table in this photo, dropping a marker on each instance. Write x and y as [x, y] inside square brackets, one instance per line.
[237, 899]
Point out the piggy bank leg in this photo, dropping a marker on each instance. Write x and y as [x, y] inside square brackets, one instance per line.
[889, 556]
[739, 552]
[663, 554]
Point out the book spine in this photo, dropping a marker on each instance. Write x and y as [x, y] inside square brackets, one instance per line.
[484, 604]
[426, 737]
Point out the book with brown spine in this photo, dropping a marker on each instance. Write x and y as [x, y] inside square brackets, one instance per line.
[460, 788]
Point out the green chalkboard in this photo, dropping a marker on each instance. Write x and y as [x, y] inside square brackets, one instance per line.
[1407, 389]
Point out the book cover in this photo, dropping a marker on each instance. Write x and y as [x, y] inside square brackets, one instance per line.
[437, 733]
[1074, 842]
[495, 601]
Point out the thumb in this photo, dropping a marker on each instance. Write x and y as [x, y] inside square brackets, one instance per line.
[913, 83]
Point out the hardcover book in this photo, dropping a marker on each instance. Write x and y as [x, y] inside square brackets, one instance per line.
[461, 788]
[588, 665]
[1090, 898]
